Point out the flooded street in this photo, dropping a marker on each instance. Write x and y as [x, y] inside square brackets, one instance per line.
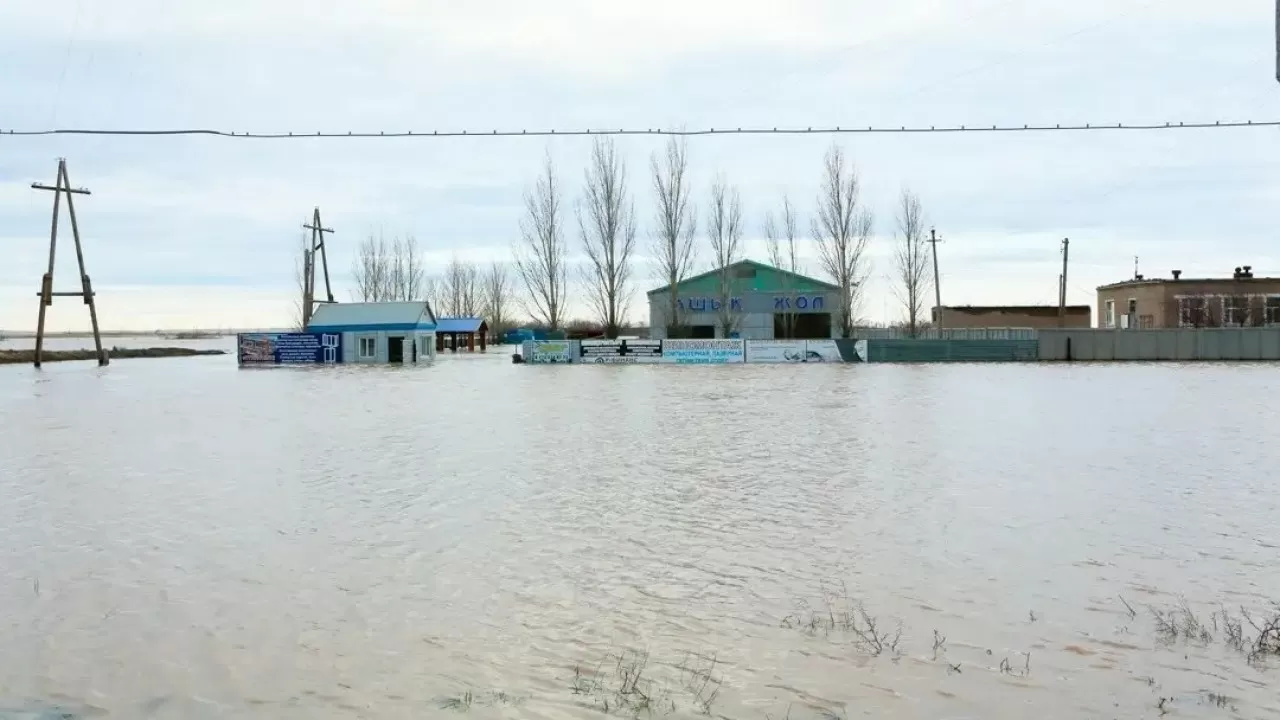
[184, 539]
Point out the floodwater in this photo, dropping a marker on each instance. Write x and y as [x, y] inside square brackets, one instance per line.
[184, 539]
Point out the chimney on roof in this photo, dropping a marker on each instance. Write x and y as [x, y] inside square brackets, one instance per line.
[1236, 274]
[1177, 274]
[1248, 271]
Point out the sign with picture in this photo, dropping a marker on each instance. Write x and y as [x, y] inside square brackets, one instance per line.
[289, 348]
[775, 351]
[550, 351]
[822, 351]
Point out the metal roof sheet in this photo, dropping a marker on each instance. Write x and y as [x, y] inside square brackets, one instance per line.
[459, 325]
[375, 313]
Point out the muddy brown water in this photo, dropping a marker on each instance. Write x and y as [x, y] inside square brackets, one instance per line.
[183, 539]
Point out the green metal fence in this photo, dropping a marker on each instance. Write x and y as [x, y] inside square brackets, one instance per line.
[905, 351]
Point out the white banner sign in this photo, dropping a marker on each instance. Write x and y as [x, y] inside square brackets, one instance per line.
[775, 351]
[703, 352]
[822, 351]
[551, 351]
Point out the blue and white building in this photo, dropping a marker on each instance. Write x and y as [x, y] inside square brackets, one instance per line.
[383, 332]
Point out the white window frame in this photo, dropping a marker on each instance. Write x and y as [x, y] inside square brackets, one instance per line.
[1185, 307]
[1109, 318]
[373, 347]
[1271, 310]
[1229, 308]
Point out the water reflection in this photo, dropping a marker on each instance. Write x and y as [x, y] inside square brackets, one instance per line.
[189, 540]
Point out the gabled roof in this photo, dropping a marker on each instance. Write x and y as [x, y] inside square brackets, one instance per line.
[460, 325]
[356, 317]
[759, 266]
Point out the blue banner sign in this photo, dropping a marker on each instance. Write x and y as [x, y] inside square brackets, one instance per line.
[290, 348]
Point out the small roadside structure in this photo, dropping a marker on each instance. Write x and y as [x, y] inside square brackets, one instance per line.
[462, 331]
[384, 332]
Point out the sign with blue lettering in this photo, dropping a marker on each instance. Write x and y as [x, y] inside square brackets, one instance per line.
[703, 352]
[756, 303]
[812, 303]
[289, 348]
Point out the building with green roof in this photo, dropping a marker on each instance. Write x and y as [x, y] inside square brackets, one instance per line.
[766, 303]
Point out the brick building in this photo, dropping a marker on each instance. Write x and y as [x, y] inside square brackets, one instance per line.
[1241, 300]
[1011, 316]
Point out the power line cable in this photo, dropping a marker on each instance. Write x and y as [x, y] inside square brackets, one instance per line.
[837, 130]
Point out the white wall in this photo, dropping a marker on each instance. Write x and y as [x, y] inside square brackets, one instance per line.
[351, 346]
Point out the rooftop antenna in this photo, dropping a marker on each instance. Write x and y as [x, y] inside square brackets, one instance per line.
[60, 187]
[318, 230]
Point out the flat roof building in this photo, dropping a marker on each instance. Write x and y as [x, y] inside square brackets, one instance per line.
[1241, 300]
[1011, 316]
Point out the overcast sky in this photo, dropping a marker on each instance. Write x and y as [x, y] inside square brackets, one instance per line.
[200, 232]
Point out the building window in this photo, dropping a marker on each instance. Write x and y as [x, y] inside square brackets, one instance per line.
[1110, 319]
[1271, 312]
[1235, 311]
[1146, 322]
[745, 273]
[368, 348]
[1191, 312]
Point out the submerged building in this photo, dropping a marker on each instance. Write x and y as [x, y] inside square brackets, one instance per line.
[1039, 317]
[766, 303]
[384, 332]
[1241, 300]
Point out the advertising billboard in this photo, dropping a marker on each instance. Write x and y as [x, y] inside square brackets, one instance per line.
[289, 348]
[550, 351]
[775, 351]
[703, 352]
[621, 352]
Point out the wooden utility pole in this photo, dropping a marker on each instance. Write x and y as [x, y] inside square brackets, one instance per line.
[63, 185]
[1062, 286]
[937, 287]
[309, 283]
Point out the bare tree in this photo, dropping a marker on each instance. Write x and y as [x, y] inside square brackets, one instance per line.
[911, 260]
[461, 291]
[431, 292]
[406, 269]
[540, 258]
[496, 286]
[607, 219]
[676, 221]
[388, 271]
[784, 254]
[842, 232]
[372, 270]
[724, 228]
[301, 268]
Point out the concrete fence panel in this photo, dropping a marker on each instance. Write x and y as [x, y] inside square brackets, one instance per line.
[1184, 344]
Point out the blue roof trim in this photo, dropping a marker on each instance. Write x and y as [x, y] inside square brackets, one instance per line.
[386, 327]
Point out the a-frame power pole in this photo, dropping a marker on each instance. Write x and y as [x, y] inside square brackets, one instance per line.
[318, 231]
[63, 185]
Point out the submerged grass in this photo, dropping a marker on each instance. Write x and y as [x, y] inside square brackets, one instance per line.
[1257, 635]
[625, 684]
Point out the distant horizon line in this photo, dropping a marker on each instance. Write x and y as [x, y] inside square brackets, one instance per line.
[215, 332]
